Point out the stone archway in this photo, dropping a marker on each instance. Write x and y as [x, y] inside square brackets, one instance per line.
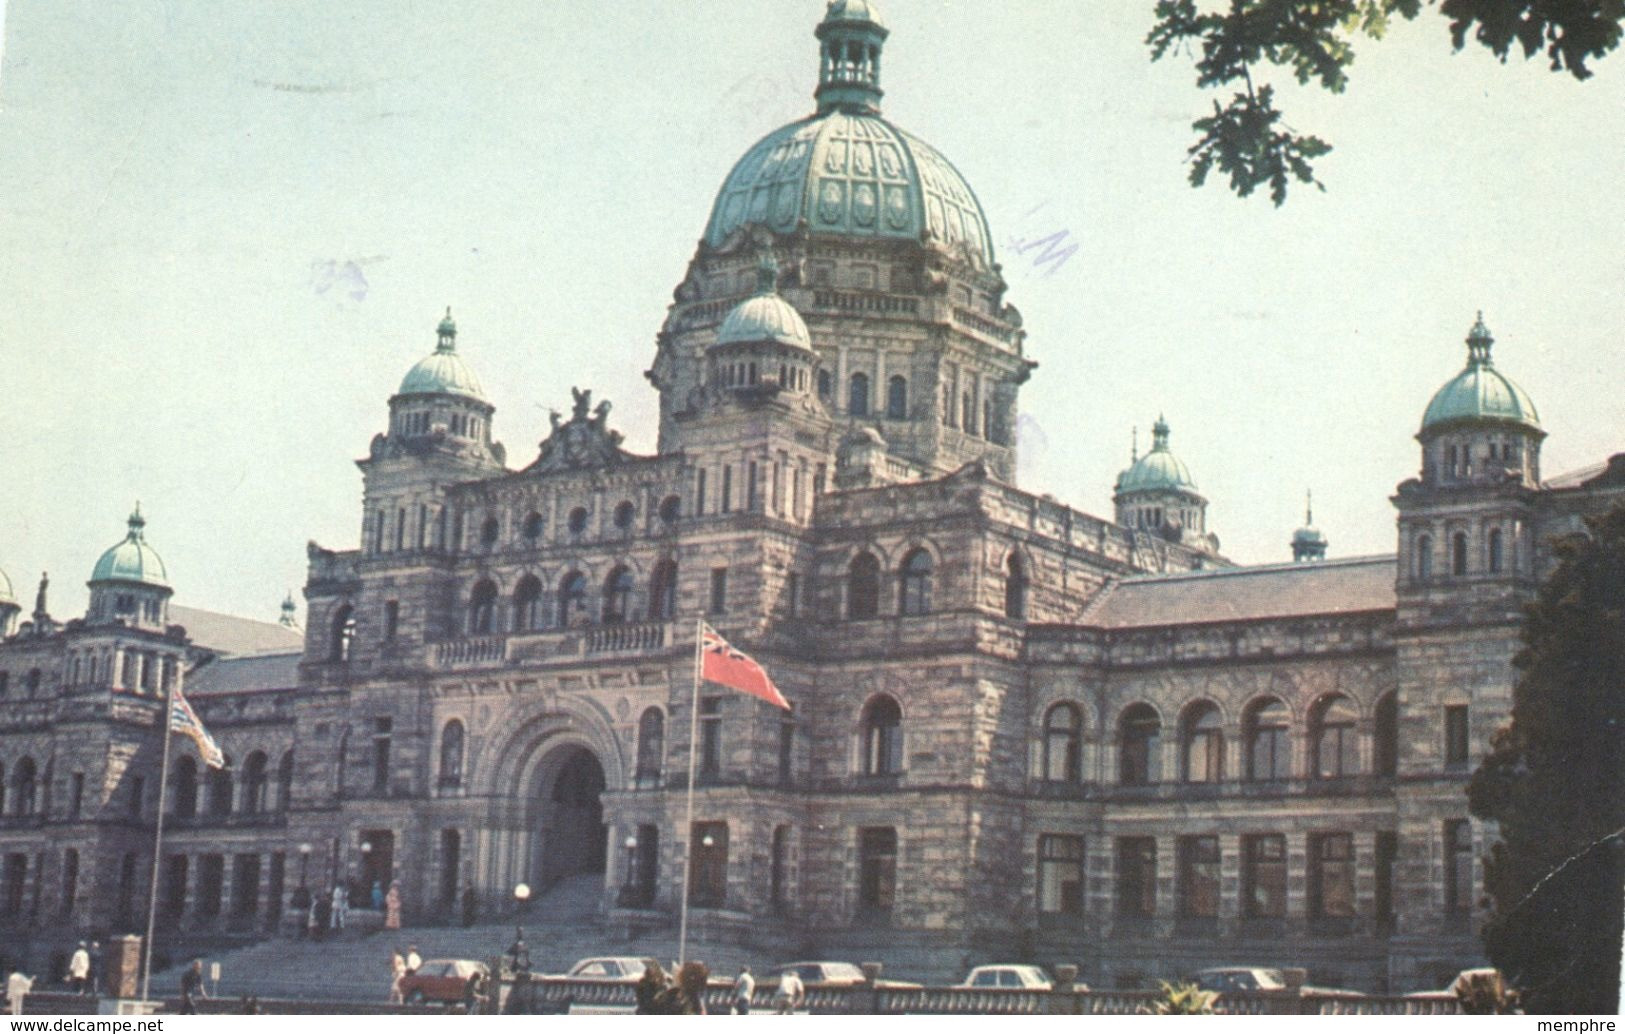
[568, 815]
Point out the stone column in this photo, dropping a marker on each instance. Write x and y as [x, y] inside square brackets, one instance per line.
[841, 388]
[881, 394]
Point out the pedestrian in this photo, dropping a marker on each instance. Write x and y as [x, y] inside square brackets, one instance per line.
[744, 988]
[324, 915]
[341, 906]
[377, 895]
[17, 988]
[392, 907]
[470, 905]
[791, 993]
[647, 991]
[95, 977]
[686, 997]
[313, 920]
[78, 969]
[300, 904]
[414, 961]
[471, 994]
[192, 988]
[397, 969]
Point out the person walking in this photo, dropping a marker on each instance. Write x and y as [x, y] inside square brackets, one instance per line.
[312, 918]
[324, 915]
[300, 904]
[397, 969]
[377, 895]
[341, 906]
[95, 975]
[471, 993]
[192, 988]
[744, 988]
[470, 905]
[392, 907]
[414, 961]
[78, 969]
[791, 993]
[17, 988]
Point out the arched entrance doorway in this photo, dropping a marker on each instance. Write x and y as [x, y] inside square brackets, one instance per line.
[570, 816]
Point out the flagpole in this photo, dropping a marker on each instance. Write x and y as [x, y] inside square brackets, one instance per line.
[166, 715]
[688, 835]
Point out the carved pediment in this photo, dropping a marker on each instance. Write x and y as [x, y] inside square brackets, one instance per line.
[583, 441]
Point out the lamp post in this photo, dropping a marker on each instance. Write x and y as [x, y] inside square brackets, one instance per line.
[304, 862]
[628, 887]
[521, 897]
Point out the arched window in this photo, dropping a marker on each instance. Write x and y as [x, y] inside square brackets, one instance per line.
[451, 754]
[1336, 749]
[578, 520]
[857, 396]
[343, 634]
[1385, 753]
[663, 591]
[527, 604]
[254, 783]
[671, 508]
[882, 737]
[826, 388]
[23, 788]
[1015, 588]
[1063, 744]
[1497, 551]
[533, 527]
[185, 788]
[863, 587]
[482, 608]
[1139, 738]
[1268, 755]
[284, 781]
[617, 596]
[489, 531]
[1458, 553]
[1202, 744]
[916, 583]
[651, 747]
[572, 598]
[219, 783]
[1424, 557]
[897, 398]
[624, 515]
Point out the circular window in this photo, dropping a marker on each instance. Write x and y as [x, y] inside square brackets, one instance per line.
[623, 515]
[578, 520]
[533, 526]
[489, 530]
[670, 507]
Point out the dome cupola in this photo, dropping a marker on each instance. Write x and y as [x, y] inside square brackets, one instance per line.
[129, 584]
[1157, 470]
[443, 372]
[763, 346]
[1157, 494]
[850, 38]
[1307, 542]
[1480, 393]
[9, 607]
[765, 316]
[131, 561]
[1480, 427]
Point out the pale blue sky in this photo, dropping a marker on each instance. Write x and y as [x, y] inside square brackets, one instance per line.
[227, 230]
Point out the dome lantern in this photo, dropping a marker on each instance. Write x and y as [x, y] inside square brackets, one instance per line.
[1307, 542]
[850, 39]
[443, 372]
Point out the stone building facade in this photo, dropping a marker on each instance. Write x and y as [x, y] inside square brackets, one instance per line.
[1018, 730]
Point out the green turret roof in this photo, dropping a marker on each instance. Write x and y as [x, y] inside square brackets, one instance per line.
[1480, 393]
[443, 372]
[132, 560]
[1157, 470]
[765, 316]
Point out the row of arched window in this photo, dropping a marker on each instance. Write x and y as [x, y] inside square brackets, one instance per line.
[573, 601]
[217, 793]
[30, 682]
[913, 585]
[1201, 757]
[20, 796]
[1460, 556]
[398, 533]
[858, 396]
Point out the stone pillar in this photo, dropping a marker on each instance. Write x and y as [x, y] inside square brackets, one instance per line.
[121, 966]
[841, 388]
[116, 676]
[881, 393]
[1297, 879]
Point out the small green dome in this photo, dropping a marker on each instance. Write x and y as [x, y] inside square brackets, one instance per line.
[443, 372]
[860, 12]
[132, 560]
[765, 316]
[1480, 392]
[1157, 470]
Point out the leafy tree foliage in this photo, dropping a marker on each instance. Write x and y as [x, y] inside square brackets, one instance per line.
[1555, 782]
[1235, 41]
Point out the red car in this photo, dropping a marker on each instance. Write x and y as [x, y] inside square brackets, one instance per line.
[441, 981]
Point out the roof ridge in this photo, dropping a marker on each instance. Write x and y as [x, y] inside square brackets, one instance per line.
[1248, 569]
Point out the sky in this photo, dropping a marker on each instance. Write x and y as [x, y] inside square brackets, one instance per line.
[227, 230]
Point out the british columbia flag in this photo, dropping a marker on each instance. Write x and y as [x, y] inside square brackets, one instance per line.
[729, 666]
[183, 719]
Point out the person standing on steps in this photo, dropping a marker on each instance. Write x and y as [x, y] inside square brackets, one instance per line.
[414, 961]
[791, 993]
[377, 895]
[744, 988]
[397, 969]
[94, 977]
[17, 988]
[300, 905]
[192, 988]
[78, 969]
[392, 907]
[341, 906]
[324, 914]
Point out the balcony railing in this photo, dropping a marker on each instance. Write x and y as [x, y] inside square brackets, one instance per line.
[626, 638]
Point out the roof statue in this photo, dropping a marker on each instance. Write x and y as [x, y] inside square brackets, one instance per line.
[585, 440]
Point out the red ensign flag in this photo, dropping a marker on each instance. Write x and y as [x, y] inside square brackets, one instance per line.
[723, 664]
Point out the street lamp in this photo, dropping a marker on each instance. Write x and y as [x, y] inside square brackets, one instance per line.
[521, 896]
[304, 861]
[628, 891]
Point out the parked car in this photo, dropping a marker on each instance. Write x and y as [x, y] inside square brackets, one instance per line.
[1030, 978]
[830, 974]
[1239, 978]
[440, 981]
[611, 969]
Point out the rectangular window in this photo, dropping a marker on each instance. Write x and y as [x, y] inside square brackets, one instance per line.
[245, 885]
[792, 594]
[751, 475]
[211, 881]
[1263, 876]
[727, 488]
[400, 529]
[423, 527]
[877, 869]
[787, 747]
[1331, 875]
[1455, 735]
[1136, 877]
[138, 794]
[719, 590]
[710, 736]
[392, 620]
[699, 493]
[1458, 866]
[77, 799]
[1387, 857]
[1060, 875]
[1199, 877]
[779, 876]
[381, 728]
[708, 884]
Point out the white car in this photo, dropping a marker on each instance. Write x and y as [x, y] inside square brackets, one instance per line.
[838, 974]
[611, 969]
[1029, 978]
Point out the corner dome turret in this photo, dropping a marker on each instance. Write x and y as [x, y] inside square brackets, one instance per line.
[1480, 394]
[765, 316]
[443, 372]
[131, 561]
[1158, 470]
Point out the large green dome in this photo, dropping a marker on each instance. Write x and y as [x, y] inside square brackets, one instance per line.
[1157, 470]
[1480, 393]
[443, 372]
[132, 560]
[846, 170]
